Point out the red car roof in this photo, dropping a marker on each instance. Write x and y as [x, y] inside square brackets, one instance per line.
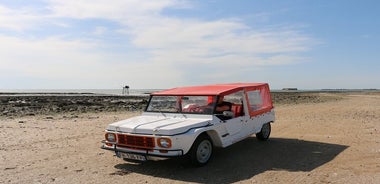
[215, 89]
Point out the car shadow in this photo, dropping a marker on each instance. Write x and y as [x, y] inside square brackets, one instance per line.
[241, 161]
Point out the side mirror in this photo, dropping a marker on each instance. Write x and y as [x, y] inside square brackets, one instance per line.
[228, 114]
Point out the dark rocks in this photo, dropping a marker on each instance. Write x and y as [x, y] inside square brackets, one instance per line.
[300, 97]
[47, 105]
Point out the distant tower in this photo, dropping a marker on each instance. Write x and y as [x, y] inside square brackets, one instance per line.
[125, 90]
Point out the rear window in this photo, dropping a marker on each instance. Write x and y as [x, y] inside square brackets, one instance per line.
[255, 100]
[259, 100]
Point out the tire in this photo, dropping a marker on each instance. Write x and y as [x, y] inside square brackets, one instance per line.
[263, 135]
[201, 151]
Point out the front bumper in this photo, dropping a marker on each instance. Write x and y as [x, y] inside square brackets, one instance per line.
[151, 154]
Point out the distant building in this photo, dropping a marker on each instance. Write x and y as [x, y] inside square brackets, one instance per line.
[290, 89]
[125, 90]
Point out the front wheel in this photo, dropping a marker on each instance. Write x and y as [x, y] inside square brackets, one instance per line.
[201, 151]
[263, 135]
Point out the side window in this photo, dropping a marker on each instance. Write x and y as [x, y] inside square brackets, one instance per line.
[255, 100]
[236, 100]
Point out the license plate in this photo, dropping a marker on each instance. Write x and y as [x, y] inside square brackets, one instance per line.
[132, 156]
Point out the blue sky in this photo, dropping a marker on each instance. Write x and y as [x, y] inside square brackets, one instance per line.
[99, 44]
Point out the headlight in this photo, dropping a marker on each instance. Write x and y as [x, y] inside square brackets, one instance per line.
[111, 137]
[164, 142]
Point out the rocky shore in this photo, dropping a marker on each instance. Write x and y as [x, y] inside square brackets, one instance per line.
[48, 104]
[18, 105]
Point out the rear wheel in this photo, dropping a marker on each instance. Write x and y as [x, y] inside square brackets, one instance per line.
[263, 135]
[201, 151]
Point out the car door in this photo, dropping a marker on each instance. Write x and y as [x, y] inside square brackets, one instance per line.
[234, 125]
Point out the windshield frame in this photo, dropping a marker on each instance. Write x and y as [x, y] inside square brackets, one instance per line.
[184, 104]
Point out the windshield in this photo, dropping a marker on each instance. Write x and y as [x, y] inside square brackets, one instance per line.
[182, 104]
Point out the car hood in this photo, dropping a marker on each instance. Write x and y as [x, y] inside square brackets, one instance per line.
[160, 124]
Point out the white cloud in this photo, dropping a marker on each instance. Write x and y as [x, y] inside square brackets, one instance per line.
[17, 20]
[151, 30]
[169, 45]
[78, 62]
[100, 30]
[115, 10]
[223, 42]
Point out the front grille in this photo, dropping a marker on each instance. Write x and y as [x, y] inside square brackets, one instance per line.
[136, 141]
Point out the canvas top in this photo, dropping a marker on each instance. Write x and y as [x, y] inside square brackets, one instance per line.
[214, 89]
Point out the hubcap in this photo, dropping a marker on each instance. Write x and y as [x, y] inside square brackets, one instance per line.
[204, 151]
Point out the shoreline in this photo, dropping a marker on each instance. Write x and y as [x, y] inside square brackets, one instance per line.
[64, 94]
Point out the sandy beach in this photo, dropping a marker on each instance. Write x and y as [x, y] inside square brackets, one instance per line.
[317, 138]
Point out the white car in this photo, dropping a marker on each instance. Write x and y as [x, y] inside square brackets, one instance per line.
[189, 121]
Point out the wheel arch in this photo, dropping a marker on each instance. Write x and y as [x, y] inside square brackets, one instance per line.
[214, 136]
[202, 149]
